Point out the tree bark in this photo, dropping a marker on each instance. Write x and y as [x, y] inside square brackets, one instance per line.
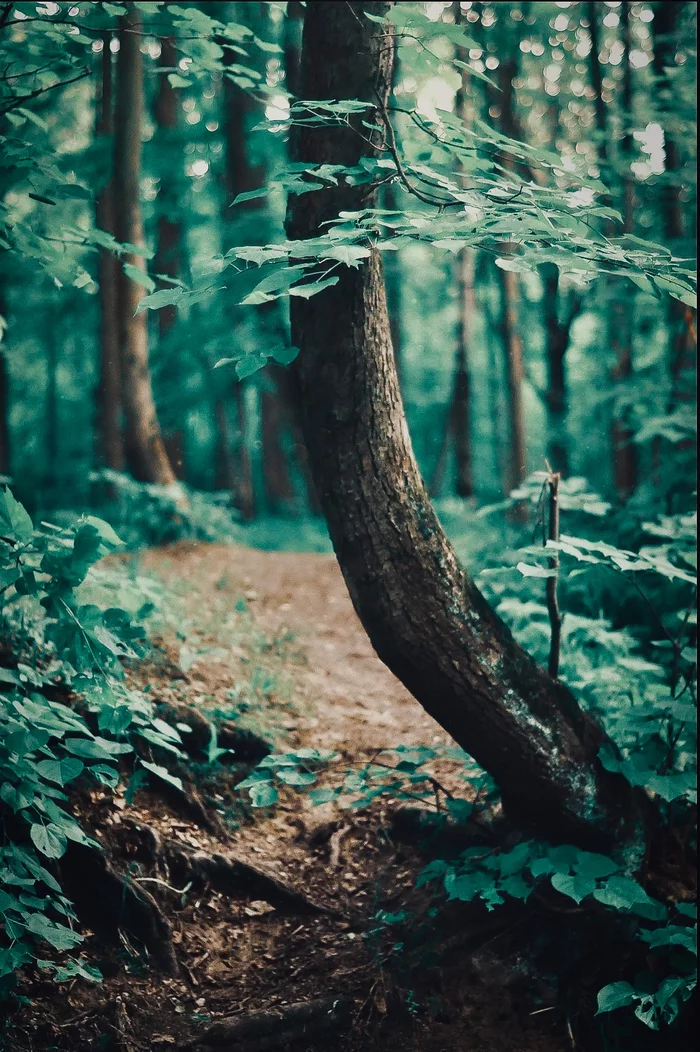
[4, 389]
[145, 449]
[621, 329]
[425, 617]
[681, 318]
[167, 261]
[241, 176]
[619, 326]
[109, 403]
[509, 292]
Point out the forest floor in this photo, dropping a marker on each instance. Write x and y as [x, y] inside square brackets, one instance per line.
[274, 634]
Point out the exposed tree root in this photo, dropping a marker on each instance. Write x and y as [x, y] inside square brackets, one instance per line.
[188, 803]
[245, 745]
[108, 903]
[275, 1027]
[233, 876]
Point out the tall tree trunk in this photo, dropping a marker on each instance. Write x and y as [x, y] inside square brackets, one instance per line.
[513, 357]
[509, 292]
[558, 334]
[619, 323]
[393, 284]
[621, 329]
[4, 388]
[241, 176]
[52, 410]
[426, 619]
[681, 318]
[109, 402]
[464, 483]
[4, 416]
[167, 261]
[145, 450]
[292, 42]
[225, 464]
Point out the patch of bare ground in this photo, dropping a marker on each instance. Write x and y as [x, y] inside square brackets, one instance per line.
[272, 915]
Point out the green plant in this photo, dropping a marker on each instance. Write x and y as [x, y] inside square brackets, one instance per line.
[67, 718]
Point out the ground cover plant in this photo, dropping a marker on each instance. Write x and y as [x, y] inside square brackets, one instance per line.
[347, 525]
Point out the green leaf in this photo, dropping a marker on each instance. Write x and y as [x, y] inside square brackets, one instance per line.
[263, 794]
[615, 995]
[162, 773]
[139, 276]
[60, 937]
[96, 748]
[295, 777]
[15, 522]
[307, 291]
[49, 840]
[162, 298]
[250, 195]
[285, 355]
[576, 887]
[535, 571]
[60, 771]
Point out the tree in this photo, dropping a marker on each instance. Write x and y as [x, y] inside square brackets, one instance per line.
[681, 317]
[109, 428]
[145, 449]
[424, 616]
[509, 295]
[619, 330]
[458, 425]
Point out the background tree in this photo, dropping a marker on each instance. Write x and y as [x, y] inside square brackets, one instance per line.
[144, 443]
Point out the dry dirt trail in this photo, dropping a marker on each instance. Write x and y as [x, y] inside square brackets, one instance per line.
[355, 704]
[271, 639]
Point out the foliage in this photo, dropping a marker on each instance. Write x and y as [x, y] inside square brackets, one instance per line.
[61, 647]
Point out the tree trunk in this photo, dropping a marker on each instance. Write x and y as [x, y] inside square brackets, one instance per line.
[167, 261]
[241, 176]
[509, 292]
[145, 450]
[4, 389]
[53, 429]
[4, 416]
[513, 356]
[556, 396]
[225, 465]
[426, 619]
[619, 323]
[109, 403]
[681, 318]
[393, 285]
[621, 327]
[292, 40]
[464, 483]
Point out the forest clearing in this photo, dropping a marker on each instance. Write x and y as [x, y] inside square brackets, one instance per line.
[348, 671]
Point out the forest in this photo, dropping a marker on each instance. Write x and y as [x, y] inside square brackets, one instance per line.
[348, 675]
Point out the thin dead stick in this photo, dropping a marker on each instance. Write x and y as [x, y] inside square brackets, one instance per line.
[555, 618]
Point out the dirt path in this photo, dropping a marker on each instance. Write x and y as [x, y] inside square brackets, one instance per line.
[355, 704]
[271, 640]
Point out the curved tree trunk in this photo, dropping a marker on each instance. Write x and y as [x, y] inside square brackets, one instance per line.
[145, 450]
[425, 617]
[109, 408]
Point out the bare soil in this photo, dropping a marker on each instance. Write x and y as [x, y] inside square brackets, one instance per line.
[274, 635]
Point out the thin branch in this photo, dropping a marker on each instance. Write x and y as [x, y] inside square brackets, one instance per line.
[555, 618]
[22, 99]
